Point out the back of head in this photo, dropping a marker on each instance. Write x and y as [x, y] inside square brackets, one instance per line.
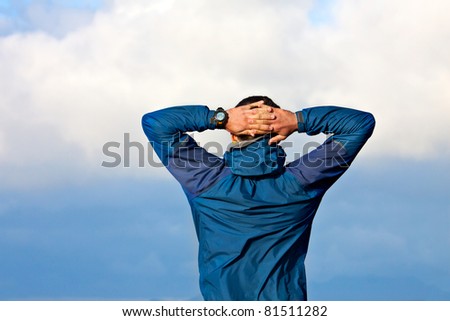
[254, 99]
[251, 100]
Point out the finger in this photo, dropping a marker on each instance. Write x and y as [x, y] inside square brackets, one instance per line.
[265, 127]
[256, 104]
[263, 108]
[276, 139]
[254, 111]
[251, 106]
[248, 132]
[253, 132]
[261, 122]
[262, 116]
[261, 132]
[256, 108]
[267, 108]
[259, 114]
[248, 106]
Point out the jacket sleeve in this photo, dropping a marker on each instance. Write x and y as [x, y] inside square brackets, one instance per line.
[349, 129]
[193, 167]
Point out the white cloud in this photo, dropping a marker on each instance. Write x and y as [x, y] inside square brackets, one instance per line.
[93, 84]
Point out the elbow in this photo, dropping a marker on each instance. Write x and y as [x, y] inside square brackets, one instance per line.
[146, 120]
[369, 120]
[369, 123]
[149, 124]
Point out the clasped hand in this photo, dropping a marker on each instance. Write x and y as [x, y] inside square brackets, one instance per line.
[258, 119]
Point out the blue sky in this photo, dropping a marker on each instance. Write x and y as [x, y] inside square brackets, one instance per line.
[78, 74]
[321, 12]
[52, 16]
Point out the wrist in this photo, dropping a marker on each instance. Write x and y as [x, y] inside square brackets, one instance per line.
[219, 118]
[300, 122]
[290, 123]
[234, 121]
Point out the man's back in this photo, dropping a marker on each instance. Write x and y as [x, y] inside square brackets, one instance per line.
[253, 234]
[252, 213]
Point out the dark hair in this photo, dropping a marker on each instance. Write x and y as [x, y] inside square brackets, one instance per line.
[254, 99]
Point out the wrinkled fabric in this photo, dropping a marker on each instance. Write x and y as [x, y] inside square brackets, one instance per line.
[252, 212]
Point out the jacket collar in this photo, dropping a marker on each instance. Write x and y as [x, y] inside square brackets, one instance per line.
[255, 157]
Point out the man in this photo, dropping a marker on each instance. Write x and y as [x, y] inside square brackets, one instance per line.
[252, 212]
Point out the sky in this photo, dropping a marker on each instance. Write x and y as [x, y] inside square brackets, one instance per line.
[76, 75]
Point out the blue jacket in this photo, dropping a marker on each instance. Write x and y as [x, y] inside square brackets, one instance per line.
[252, 213]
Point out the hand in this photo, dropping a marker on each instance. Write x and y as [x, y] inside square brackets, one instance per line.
[252, 119]
[284, 124]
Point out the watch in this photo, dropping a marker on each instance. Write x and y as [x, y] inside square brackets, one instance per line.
[220, 118]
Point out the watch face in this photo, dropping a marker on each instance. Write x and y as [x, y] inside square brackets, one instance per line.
[220, 116]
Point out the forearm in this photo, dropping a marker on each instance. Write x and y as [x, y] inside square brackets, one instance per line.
[335, 120]
[166, 128]
[350, 127]
[167, 122]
